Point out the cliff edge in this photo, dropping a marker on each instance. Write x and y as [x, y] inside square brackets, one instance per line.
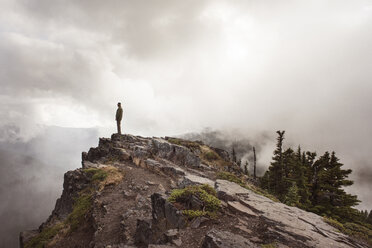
[166, 192]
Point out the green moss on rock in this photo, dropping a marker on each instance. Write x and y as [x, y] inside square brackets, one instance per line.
[205, 193]
[97, 174]
[40, 240]
[210, 156]
[191, 214]
[81, 207]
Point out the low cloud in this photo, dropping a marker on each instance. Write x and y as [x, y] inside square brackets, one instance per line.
[31, 177]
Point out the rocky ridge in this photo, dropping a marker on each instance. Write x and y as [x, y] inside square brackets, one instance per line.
[119, 198]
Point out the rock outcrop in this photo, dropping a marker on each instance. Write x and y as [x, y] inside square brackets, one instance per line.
[221, 239]
[119, 198]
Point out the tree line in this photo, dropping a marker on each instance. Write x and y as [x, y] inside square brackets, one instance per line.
[314, 183]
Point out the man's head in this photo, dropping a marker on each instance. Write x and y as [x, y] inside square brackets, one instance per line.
[119, 104]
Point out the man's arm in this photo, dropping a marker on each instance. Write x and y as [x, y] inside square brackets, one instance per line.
[117, 115]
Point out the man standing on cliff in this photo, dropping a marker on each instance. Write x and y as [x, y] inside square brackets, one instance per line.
[119, 116]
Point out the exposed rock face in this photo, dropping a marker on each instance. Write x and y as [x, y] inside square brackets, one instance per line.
[175, 153]
[162, 210]
[191, 179]
[222, 153]
[134, 212]
[221, 239]
[290, 223]
[74, 182]
[144, 233]
[26, 236]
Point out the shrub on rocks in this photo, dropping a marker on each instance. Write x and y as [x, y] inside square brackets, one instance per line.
[104, 176]
[196, 201]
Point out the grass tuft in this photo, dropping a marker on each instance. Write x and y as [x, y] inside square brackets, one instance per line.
[81, 207]
[104, 176]
[181, 142]
[45, 236]
[211, 156]
[205, 193]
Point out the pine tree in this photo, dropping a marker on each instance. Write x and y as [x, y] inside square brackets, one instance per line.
[369, 218]
[275, 176]
[328, 194]
[308, 160]
[254, 163]
[336, 180]
[365, 215]
[292, 198]
[239, 163]
[233, 155]
[316, 177]
[288, 163]
[317, 182]
[246, 168]
[300, 172]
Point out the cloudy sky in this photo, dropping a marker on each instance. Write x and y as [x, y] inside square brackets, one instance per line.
[181, 66]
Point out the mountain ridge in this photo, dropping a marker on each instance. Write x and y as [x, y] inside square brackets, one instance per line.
[121, 198]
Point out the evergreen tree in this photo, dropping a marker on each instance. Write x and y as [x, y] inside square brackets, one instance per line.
[274, 178]
[292, 198]
[288, 162]
[316, 177]
[369, 218]
[254, 163]
[300, 172]
[365, 215]
[298, 178]
[335, 181]
[308, 160]
[246, 168]
[233, 155]
[264, 181]
[328, 195]
[239, 163]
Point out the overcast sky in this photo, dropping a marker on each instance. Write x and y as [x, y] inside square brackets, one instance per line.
[180, 66]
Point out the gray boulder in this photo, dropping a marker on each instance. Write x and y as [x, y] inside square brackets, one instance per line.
[164, 212]
[175, 153]
[191, 179]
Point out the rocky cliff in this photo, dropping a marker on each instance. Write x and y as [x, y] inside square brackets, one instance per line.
[153, 192]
